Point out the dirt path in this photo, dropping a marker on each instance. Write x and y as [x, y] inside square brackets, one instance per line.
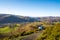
[32, 36]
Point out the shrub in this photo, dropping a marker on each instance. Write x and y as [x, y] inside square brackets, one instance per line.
[51, 33]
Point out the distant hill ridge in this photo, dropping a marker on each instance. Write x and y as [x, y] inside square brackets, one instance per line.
[7, 18]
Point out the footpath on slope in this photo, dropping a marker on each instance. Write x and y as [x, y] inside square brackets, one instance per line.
[32, 36]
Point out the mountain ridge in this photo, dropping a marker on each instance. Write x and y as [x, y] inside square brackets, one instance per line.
[7, 18]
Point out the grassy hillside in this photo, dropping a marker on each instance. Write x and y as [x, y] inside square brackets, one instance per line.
[18, 30]
[51, 33]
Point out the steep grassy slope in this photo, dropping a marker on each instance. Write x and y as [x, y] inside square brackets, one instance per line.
[51, 33]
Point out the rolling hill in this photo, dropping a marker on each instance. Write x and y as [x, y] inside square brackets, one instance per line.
[7, 18]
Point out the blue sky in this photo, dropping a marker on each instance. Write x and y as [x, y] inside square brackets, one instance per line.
[35, 8]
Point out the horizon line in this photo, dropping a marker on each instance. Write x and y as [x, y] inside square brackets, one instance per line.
[32, 16]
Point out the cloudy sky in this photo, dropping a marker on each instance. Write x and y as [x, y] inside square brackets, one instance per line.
[35, 8]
